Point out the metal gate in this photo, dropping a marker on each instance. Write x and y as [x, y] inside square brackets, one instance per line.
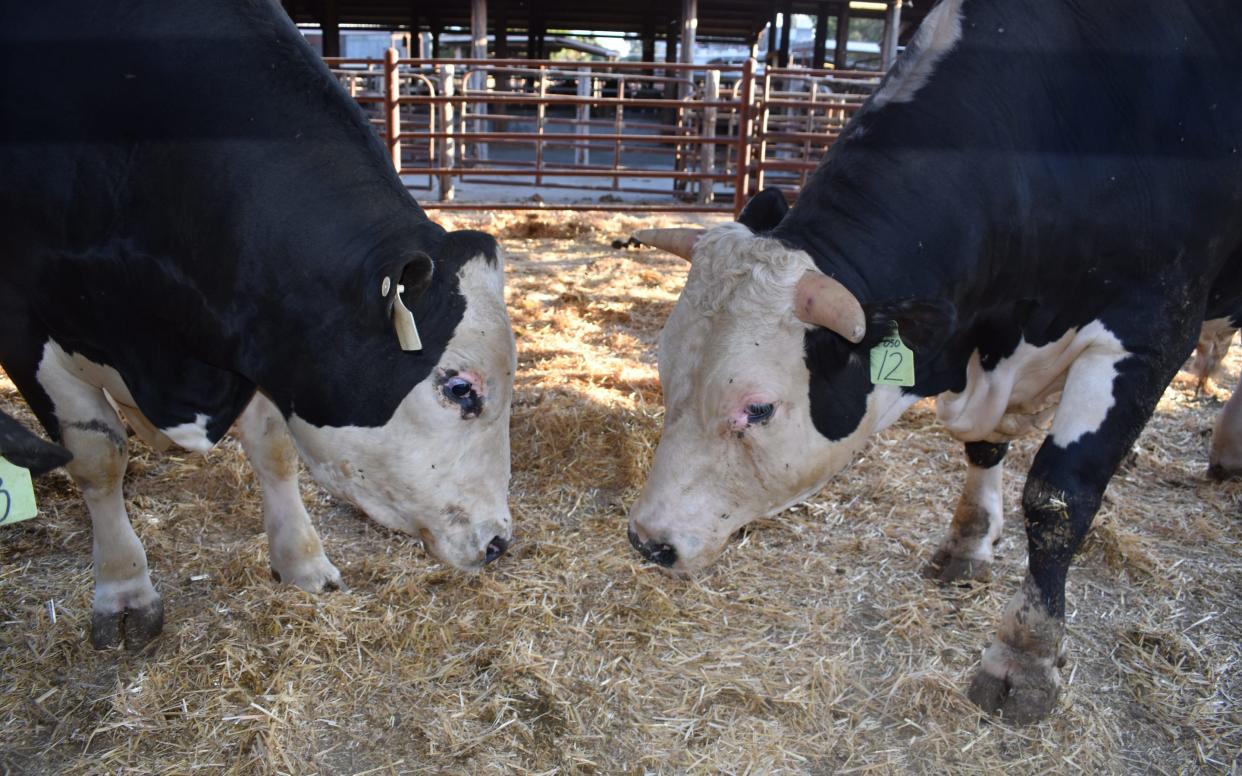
[509, 134]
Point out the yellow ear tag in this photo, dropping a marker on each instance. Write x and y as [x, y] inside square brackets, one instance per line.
[892, 363]
[17, 500]
[403, 322]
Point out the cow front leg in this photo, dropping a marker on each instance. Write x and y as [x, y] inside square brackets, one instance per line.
[1108, 398]
[295, 549]
[966, 552]
[126, 609]
[1225, 461]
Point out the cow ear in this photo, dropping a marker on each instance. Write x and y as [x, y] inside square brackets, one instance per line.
[412, 279]
[416, 276]
[764, 210]
[924, 324]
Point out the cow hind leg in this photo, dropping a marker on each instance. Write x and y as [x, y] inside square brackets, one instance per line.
[1106, 402]
[1225, 461]
[126, 609]
[296, 552]
[966, 552]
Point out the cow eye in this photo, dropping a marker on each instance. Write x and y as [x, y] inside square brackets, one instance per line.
[460, 391]
[758, 413]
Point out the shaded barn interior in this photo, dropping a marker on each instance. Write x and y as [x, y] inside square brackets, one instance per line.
[680, 23]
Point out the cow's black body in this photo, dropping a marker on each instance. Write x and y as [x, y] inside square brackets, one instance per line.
[1067, 162]
[197, 206]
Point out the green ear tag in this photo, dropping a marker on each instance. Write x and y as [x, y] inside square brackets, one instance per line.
[892, 363]
[17, 501]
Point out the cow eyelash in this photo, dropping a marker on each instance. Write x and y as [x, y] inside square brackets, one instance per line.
[759, 413]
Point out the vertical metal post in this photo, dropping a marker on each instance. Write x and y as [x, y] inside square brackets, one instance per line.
[782, 59]
[392, 107]
[330, 28]
[742, 181]
[707, 149]
[618, 129]
[582, 148]
[892, 27]
[763, 128]
[840, 55]
[770, 59]
[541, 118]
[448, 125]
[478, 75]
[821, 36]
[502, 30]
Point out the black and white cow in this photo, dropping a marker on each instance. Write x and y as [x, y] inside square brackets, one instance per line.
[1046, 197]
[198, 226]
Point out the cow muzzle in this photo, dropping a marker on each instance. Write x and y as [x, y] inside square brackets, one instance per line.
[659, 553]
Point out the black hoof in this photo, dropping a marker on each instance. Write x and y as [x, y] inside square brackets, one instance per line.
[133, 627]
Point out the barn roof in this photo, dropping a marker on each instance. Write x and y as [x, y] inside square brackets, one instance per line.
[722, 20]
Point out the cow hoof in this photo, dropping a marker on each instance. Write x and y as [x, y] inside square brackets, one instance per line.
[1220, 473]
[133, 626]
[947, 569]
[316, 575]
[1027, 693]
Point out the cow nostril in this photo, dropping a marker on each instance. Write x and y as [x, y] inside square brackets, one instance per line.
[495, 548]
[635, 542]
[662, 555]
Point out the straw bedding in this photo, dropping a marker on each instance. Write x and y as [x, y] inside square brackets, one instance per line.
[813, 647]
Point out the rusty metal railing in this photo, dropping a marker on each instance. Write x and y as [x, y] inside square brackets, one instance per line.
[626, 135]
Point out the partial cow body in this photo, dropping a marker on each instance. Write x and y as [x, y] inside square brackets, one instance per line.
[1046, 199]
[199, 225]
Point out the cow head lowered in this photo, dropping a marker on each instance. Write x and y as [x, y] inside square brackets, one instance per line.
[767, 392]
[433, 460]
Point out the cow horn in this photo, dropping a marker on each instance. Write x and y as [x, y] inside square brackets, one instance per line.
[678, 241]
[822, 301]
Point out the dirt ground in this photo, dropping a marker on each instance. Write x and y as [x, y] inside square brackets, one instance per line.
[813, 647]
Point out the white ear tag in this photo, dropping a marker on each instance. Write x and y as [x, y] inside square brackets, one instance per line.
[403, 322]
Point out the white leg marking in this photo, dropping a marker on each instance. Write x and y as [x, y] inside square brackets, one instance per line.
[126, 606]
[191, 436]
[1088, 394]
[1226, 458]
[296, 553]
[1214, 340]
[967, 550]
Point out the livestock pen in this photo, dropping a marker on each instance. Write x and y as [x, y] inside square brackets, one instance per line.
[813, 647]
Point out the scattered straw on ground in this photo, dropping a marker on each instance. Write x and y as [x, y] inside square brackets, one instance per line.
[814, 647]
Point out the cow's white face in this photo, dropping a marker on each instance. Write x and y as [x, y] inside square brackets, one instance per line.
[440, 468]
[738, 442]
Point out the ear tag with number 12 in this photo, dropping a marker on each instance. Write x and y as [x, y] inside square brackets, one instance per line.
[17, 500]
[892, 363]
